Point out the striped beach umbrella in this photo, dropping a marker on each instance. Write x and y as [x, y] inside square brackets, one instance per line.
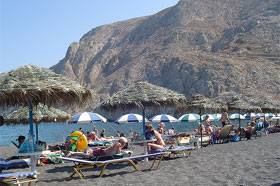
[218, 116]
[189, 118]
[275, 118]
[163, 118]
[87, 117]
[251, 115]
[236, 116]
[268, 115]
[130, 118]
[212, 117]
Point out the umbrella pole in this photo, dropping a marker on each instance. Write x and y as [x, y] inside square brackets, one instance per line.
[37, 137]
[144, 127]
[200, 128]
[239, 119]
[31, 125]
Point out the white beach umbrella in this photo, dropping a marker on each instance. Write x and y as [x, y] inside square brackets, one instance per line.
[189, 118]
[212, 117]
[218, 116]
[163, 118]
[251, 115]
[236, 116]
[130, 118]
[275, 118]
[87, 117]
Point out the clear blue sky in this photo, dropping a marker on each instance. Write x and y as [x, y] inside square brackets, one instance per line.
[39, 32]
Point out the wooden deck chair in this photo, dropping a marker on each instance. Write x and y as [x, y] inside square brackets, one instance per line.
[16, 178]
[224, 133]
[86, 164]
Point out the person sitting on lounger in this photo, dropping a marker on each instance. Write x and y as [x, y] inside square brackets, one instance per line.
[20, 140]
[202, 129]
[151, 133]
[116, 148]
[208, 127]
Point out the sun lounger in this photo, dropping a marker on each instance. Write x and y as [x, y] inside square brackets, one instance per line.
[107, 157]
[16, 178]
[176, 150]
[86, 164]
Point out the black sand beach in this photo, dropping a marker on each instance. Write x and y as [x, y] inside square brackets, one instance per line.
[252, 162]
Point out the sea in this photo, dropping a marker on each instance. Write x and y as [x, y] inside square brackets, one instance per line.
[57, 132]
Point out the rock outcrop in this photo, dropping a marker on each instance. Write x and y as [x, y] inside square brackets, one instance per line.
[197, 46]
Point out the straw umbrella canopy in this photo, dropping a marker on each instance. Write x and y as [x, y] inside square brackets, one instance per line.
[237, 103]
[30, 85]
[40, 85]
[143, 95]
[41, 113]
[268, 106]
[202, 102]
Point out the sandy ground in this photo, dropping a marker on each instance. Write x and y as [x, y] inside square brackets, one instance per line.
[252, 162]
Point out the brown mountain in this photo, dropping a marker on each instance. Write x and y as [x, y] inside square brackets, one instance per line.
[214, 47]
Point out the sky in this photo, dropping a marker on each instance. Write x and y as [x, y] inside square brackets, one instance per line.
[40, 32]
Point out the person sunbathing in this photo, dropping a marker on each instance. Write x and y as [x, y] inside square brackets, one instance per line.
[151, 133]
[92, 137]
[116, 148]
[66, 146]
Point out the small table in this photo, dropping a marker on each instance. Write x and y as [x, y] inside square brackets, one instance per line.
[145, 142]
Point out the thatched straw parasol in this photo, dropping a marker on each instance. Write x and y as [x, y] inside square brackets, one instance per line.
[40, 85]
[143, 95]
[30, 85]
[268, 107]
[41, 113]
[202, 102]
[238, 104]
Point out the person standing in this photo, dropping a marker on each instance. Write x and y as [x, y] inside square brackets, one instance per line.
[102, 134]
[224, 118]
[95, 130]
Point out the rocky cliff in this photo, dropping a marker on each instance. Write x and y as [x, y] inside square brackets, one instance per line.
[214, 47]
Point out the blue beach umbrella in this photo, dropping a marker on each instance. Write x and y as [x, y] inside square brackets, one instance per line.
[236, 116]
[163, 118]
[87, 117]
[130, 118]
[251, 115]
[189, 118]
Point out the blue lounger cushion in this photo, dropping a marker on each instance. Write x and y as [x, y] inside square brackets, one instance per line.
[16, 174]
[14, 163]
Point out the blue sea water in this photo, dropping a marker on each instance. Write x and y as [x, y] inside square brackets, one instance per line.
[57, 132]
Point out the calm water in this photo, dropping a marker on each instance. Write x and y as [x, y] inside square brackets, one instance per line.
[57, 132]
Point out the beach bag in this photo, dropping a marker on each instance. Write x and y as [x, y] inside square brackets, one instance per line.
[235, 138]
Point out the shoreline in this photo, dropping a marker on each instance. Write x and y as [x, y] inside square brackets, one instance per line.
[252, 162]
